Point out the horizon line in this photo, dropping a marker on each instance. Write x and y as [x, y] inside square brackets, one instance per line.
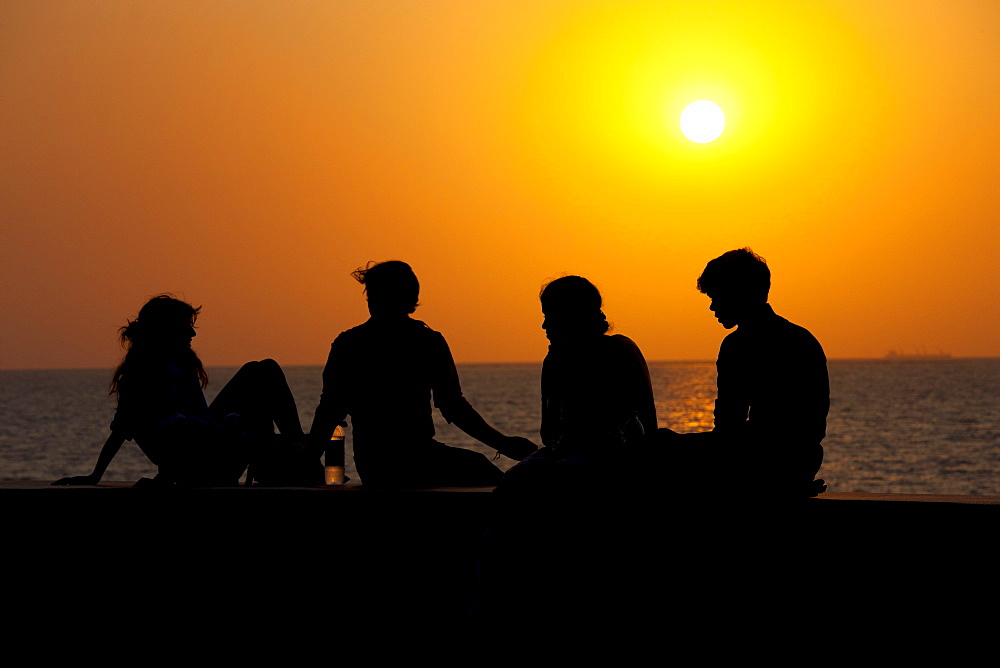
[536, 362]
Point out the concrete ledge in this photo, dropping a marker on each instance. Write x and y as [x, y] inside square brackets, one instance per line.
[354, 487]
[417, 554]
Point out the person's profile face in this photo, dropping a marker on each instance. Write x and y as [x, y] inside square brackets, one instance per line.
[728, 308]
[548, 325]
[554, 326]
[178, 334]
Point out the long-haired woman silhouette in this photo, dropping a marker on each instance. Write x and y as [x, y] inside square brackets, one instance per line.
[161, 406]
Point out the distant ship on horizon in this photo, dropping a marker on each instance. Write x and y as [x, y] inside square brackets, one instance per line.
[896, 355]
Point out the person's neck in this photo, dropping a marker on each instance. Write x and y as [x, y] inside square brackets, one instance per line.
[756, 314]
[389, 316]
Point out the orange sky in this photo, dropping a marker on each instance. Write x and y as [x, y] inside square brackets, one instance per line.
[247, 156]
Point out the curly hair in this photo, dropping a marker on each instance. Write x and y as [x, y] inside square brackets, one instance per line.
[741, 270]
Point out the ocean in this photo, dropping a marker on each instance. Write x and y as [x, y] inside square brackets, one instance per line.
[895, 426]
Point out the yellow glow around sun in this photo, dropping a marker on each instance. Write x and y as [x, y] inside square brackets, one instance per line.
[702, 121]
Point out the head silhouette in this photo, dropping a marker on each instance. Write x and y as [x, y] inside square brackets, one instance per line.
[737, 282]
[391, 287]
[572, 308]
[161, 333]
[163, 321]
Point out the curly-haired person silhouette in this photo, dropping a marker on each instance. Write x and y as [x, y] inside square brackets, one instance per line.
[773, 393]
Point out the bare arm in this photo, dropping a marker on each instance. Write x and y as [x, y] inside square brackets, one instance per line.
[639, 387]
[461, 413]
[332, 408]
[732, 404]
[465, 417]
[108, 452]
[457, 410]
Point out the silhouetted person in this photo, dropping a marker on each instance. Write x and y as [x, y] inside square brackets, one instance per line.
[162, 407]
[384, 373]
[596, 395]
[554, 547]
[773, 392]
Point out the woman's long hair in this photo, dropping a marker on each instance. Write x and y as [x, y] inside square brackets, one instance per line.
[153, 339]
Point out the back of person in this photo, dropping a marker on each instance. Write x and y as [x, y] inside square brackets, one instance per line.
[391, 369]
[778, 370]
[383, 375]
[594, 389]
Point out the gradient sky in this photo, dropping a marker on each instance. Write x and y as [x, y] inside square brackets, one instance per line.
[246, 156]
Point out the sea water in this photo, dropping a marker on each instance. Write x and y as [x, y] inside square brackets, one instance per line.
[909, 427]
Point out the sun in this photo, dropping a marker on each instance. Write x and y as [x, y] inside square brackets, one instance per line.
[702, 121]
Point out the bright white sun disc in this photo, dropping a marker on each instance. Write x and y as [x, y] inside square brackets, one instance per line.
[702, 121]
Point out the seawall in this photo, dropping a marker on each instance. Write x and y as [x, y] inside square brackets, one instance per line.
[442, 553]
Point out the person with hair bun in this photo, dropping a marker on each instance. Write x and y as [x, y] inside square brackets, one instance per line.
[385, 373]
[556, 543]
[161, 406]
[597, 400]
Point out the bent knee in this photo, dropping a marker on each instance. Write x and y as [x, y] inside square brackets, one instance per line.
[262, 366]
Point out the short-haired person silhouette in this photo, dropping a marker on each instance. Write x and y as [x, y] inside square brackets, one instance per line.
[384, 373]
[161, 406]
[773, 391]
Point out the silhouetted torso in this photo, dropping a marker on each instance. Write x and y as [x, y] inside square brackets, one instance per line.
[155, 404]
[562, 508]
[163, 409]
[384, 374]
[591, 386]
[774, 396]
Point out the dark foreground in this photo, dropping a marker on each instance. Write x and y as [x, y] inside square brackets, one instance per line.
[298, 564]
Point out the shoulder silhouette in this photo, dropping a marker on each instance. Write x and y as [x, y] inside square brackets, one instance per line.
[773, 391]
[385, 374]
